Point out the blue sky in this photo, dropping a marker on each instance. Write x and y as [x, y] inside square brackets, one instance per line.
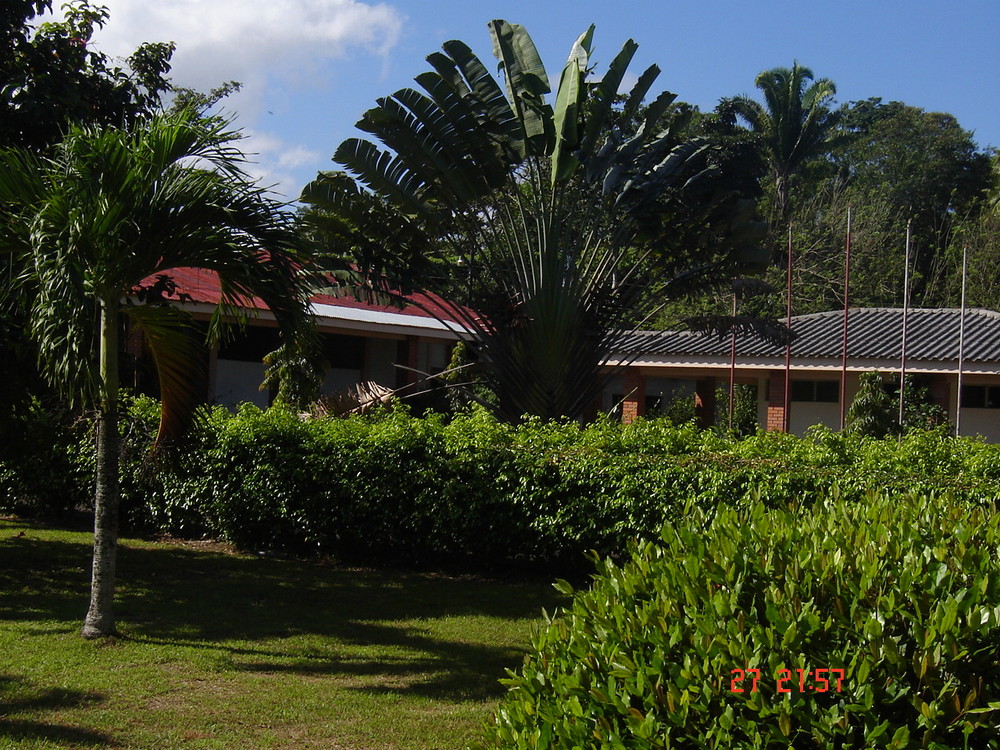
[311, 67]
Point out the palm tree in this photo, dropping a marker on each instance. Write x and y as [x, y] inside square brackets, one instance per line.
[566, 223]
[87, 224]
[793, 125]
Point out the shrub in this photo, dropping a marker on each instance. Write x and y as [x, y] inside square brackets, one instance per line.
[393, 485]
[900, 593]
[41, 473]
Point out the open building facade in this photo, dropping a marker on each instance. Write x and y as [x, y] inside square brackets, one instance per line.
[392, 346]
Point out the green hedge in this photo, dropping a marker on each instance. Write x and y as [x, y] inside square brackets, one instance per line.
[44, 470]
[473, 488]
[900, 593]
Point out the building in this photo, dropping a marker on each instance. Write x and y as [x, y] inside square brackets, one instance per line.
[666, 365]
[361, 342]
[389, 345]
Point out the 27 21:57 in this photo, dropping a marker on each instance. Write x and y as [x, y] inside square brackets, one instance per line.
[817, 680]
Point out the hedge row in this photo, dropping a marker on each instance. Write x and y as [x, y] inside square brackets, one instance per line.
[890, 608]
[473, 487]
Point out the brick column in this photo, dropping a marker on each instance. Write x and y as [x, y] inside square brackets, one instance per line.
[704, 402]
[776, 402]
[634, 404]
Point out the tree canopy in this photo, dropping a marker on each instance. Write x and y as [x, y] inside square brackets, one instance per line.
[792, 126]
[51, 75]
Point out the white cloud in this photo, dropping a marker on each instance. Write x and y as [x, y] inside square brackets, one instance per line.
[251, 41]
[273, 162]
[279, 50]
[298, 156]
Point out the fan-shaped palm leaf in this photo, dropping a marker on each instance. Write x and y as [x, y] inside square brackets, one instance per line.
[560, 215]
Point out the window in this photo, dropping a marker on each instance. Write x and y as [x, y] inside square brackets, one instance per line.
[253, 346]
[344, 352]
[981, 396]
[819, 391]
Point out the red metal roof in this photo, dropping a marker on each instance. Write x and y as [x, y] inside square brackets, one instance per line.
[202, 285]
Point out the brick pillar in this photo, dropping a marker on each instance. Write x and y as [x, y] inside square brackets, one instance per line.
[704, 402]
[776, 402]
[634, 404]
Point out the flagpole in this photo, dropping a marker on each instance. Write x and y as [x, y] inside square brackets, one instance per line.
[847, 307]
[732, 365]
[906, 311]
[788, 344]
[961, 346]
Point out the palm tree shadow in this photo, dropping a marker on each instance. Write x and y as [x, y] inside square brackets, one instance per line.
[243, 608]
[18, 695]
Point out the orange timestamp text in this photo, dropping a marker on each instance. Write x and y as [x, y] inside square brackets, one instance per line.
[821, 680]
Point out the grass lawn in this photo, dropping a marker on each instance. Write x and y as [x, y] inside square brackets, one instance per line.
[220, 650]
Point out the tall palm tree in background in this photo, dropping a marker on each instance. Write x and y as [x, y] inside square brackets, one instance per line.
[569, 220]
[86, 225]
[793, 125]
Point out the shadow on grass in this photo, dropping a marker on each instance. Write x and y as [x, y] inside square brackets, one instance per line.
[18, 695]
[341, 618]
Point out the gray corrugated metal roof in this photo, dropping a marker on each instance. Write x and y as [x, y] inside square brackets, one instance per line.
[873, 333]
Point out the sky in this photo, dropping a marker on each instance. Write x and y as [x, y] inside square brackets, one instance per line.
[310, 68]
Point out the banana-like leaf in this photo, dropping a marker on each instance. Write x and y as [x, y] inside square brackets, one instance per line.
[637, 94]
[420, 137]
[488, 94]
[527, 85]
[603, 96]
[384, 173]
[569, 105]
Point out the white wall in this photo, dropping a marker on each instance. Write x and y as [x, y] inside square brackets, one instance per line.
[805, 414]
[985, 422]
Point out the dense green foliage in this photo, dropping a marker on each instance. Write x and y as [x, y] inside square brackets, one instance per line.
[901, 593]
[52, 76]
[475, 488]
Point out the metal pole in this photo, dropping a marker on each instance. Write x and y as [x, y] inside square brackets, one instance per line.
[961, 346]
[788, 345]
[847, 307]
[906, 311]
[732, 366]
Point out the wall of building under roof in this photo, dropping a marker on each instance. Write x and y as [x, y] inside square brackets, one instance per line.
[381, 359]
[805, 414]
[370, 358]
[239, 382]
[659, 394]
[983, 422]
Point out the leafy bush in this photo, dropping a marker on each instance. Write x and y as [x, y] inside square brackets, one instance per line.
[40, 469]
[397, 486]
[900, 593]
[403, 487]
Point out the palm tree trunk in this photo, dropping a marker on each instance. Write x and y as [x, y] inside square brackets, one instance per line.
[100, 619]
